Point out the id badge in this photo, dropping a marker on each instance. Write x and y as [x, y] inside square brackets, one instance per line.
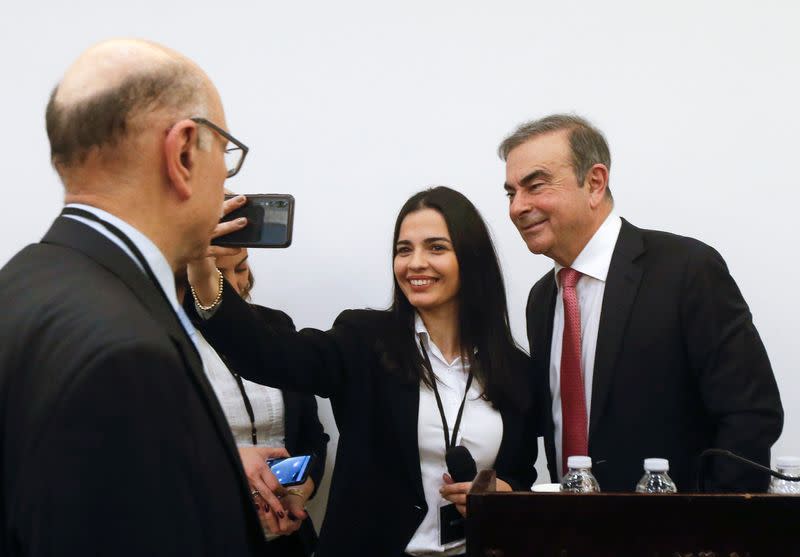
[451, 525]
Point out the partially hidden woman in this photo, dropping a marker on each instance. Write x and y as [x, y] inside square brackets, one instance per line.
[263, 419]
[446, 336]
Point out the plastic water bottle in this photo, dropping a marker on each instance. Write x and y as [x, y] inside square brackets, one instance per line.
[656, 479]
[790, 466]
[579, 478]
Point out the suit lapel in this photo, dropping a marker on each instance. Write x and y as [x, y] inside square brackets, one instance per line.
[73, 234]
[400, 396]
[541, 308]
[622, 284]
[76, 235]
[403, 402]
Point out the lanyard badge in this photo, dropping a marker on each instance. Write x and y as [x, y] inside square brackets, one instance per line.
[451, 523]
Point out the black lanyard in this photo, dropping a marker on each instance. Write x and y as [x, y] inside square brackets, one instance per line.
[246, 399]
[248, 407]
[125, 240]
[139, 257]
[429, 369]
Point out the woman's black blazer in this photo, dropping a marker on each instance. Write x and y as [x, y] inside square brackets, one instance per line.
[376, 500]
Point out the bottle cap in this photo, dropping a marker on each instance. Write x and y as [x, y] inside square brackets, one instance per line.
[656, 464]
[579, 462]
[787, 461]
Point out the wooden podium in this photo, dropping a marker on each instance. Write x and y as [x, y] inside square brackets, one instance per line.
[625, 524]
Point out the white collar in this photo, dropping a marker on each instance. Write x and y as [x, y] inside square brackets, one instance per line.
[421, 331]
[595, 258]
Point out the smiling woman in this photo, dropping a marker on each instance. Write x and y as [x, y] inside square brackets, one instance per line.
[446, 271]
[425, 264]
[437, 370]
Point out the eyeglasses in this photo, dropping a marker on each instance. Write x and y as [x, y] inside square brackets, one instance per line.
[234, 155]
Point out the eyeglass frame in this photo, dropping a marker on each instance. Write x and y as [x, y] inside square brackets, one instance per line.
[229, 137]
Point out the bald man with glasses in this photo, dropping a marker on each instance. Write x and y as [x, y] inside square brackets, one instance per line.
[112, 439]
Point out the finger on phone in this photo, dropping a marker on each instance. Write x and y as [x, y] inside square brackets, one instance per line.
[233, 203]
[272, 482]
[228, 226]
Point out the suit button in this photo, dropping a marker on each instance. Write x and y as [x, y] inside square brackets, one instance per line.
[417, 508]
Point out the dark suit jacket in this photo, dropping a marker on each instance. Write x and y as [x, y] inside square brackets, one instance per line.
[303, 432]
[679, 366]
[376, 500]
[112, 441]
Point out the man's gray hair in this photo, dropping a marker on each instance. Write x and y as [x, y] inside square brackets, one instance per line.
[586, 142]
[103, 119]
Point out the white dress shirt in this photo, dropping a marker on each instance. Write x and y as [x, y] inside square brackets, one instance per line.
[593, 263]
[267, 402]
[158, 263]
[481, 432]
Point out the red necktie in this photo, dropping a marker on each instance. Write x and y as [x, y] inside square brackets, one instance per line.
[573, 398]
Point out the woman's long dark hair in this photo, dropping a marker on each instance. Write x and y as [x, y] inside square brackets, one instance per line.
[482, 309]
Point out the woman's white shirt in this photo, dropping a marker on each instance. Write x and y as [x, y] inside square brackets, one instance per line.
[481, 432]
[267, 402]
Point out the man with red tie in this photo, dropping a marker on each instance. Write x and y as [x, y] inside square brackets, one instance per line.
[642, 343]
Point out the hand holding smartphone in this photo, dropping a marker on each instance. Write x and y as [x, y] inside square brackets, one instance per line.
[270, 219]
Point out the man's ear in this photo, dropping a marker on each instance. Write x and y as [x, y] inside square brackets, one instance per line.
[597, 182]
[180, 152]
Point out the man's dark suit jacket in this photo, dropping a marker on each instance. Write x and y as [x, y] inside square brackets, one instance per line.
[376, 501]
[112, 441]
[679, 367]
[303, 433]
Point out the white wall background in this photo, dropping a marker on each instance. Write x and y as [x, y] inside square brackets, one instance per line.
[354, 105]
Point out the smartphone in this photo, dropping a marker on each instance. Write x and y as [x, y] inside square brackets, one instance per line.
[269, 222]
[290, 471]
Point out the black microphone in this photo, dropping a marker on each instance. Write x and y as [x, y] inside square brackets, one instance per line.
[460, 464]
[733, 456]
